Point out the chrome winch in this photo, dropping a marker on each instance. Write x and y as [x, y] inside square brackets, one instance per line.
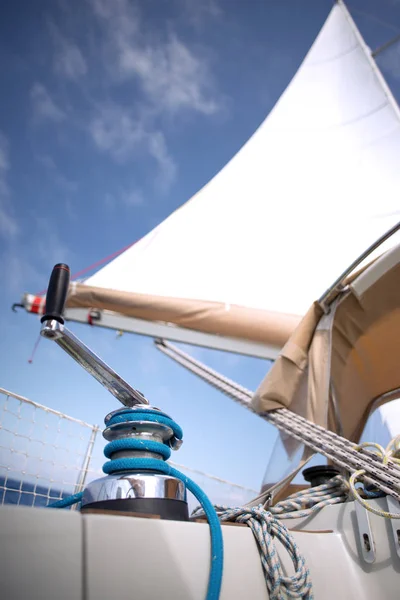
[140, 437]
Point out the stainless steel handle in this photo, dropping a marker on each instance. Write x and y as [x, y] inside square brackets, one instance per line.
[53, 328]
[93, 364]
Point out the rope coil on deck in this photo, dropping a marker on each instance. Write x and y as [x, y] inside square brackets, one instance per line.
[266, 528]
[266, 525]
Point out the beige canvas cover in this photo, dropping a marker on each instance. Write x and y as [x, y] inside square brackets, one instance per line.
[350, 355]
[234, 321]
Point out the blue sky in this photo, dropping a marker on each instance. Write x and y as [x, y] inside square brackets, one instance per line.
[112, 114]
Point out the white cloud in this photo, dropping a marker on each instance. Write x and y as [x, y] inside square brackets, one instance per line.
[129, 197]
[8, 224]
[170, 74]
[158, 149]
[157, 74]
[116, 131]
[70, 61]
[68, 58]
[133, 198]
[199, 12]
[44, 106]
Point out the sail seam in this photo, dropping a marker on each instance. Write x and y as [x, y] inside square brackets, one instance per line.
[361, 117]
[328, 60]
[342, 123]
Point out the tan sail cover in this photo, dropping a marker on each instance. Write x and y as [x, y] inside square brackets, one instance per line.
[349, 356]
[314, 186]
[211, 317]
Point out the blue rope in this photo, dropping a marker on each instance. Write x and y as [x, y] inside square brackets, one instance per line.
[152, 464]
[146, 414]
[65, 502]
[139, 444]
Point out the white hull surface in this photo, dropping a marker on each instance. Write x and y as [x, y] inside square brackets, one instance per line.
[49, 553]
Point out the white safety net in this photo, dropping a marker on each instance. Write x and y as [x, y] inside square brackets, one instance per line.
[46, 455]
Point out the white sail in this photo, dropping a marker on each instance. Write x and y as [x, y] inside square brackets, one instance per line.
[314, 186]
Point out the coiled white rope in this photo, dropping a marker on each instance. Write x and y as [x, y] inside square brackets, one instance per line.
[267, 526]
[306, 502]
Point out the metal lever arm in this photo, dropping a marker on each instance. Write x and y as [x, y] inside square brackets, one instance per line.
[53, 328]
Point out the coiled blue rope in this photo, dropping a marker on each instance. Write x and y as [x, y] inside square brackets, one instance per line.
[145, 414]
[153, 464]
